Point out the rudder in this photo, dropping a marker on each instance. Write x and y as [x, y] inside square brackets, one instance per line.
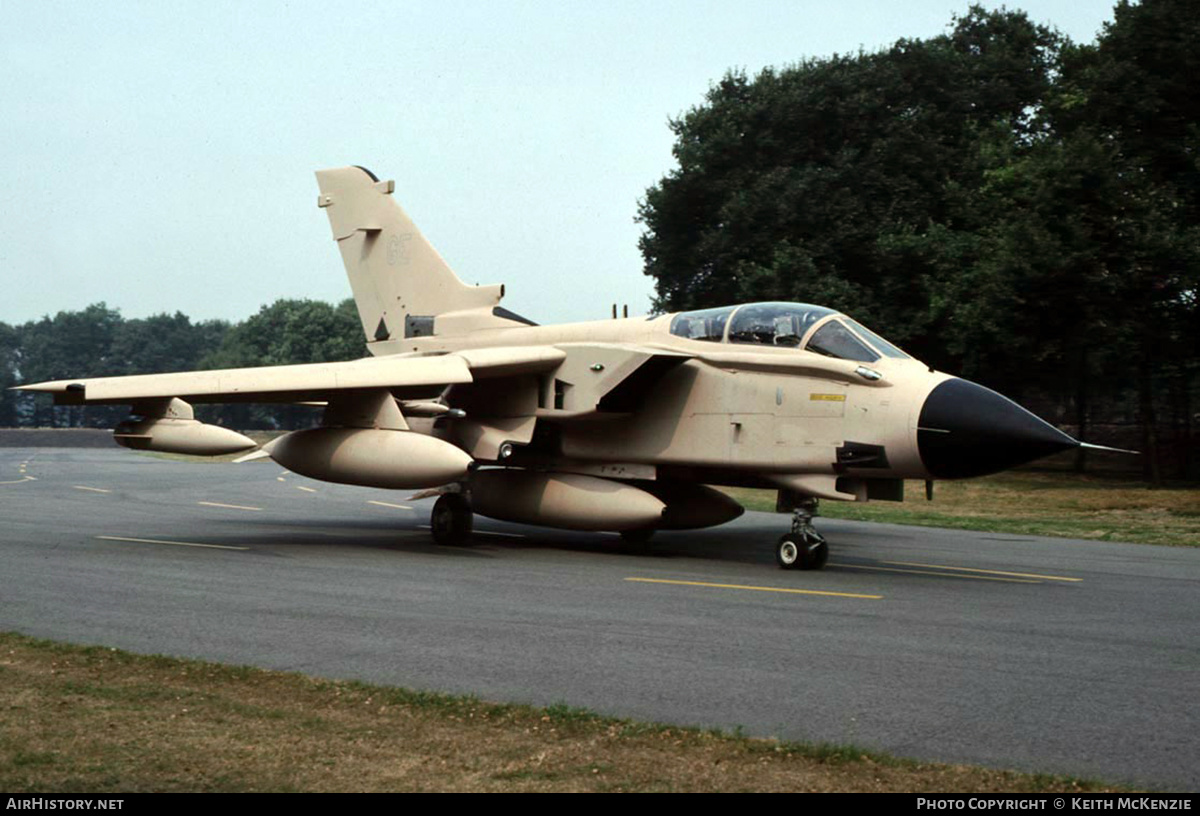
[401, 284]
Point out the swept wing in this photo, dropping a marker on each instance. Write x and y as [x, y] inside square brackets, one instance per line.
[309, 382]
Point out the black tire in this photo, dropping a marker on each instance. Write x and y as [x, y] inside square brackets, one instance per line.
[451, 520]
[816, 556]
[801, 552]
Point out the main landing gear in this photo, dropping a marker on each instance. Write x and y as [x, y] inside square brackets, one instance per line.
[452, 520]
[803, 548]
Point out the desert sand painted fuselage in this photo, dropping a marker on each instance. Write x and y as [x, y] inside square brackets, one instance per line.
[727, 414]
[610, 425]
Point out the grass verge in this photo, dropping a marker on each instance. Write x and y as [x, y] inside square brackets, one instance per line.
[1033, 503]
[91, 719]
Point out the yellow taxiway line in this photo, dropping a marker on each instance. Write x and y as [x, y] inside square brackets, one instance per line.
[230, 506]
[988, 572]
[174, 543]
[92, 489]
[756, 588]
[305, 489]
[936, 574]
[23, 479]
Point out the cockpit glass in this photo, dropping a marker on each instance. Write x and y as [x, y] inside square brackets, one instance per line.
[875, 340]
[707, 324]
[786, 325]
[835, 340]
[774, 324]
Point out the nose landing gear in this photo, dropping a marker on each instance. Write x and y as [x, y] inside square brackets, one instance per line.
[803, 548]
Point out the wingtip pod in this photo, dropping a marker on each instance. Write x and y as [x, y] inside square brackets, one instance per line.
[187, 436]
[168, 425]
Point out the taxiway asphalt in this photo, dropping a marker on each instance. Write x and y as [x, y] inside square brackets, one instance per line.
[1040, 654]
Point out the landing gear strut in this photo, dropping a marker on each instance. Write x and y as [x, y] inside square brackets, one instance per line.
[452, 520]
[803, 548]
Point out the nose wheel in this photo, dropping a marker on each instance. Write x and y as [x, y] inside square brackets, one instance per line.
[802, 551]
[803, 548]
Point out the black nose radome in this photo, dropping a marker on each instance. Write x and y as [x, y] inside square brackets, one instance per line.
[968, 430]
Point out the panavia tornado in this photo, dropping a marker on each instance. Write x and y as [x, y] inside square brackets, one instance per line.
[618, 425]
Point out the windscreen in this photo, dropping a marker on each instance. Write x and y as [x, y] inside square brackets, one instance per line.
[835, 340]
[875, 340]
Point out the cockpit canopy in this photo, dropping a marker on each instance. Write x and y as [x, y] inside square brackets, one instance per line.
[793, 325]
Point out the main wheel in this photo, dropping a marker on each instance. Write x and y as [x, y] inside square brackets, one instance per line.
[801, 552]
[451, 520]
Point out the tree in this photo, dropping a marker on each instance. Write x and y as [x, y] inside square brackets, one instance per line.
[9, 349]
[1135, 91]
[292, 331]
[811, 183]
[286, 332]
[71, 344]
[164, 342]
[1001, 202]
[98, 342]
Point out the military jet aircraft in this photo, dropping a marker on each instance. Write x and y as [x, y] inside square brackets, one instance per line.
[619, 425]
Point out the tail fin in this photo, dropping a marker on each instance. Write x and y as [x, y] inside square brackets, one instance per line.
[401, 285]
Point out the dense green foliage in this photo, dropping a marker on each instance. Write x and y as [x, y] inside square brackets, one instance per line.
[1005, 204]
[99, 342]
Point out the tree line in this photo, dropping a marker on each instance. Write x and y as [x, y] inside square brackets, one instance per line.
[1004, 203]
[99, 342]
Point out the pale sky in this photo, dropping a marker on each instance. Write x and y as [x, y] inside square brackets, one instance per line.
[159, 156]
